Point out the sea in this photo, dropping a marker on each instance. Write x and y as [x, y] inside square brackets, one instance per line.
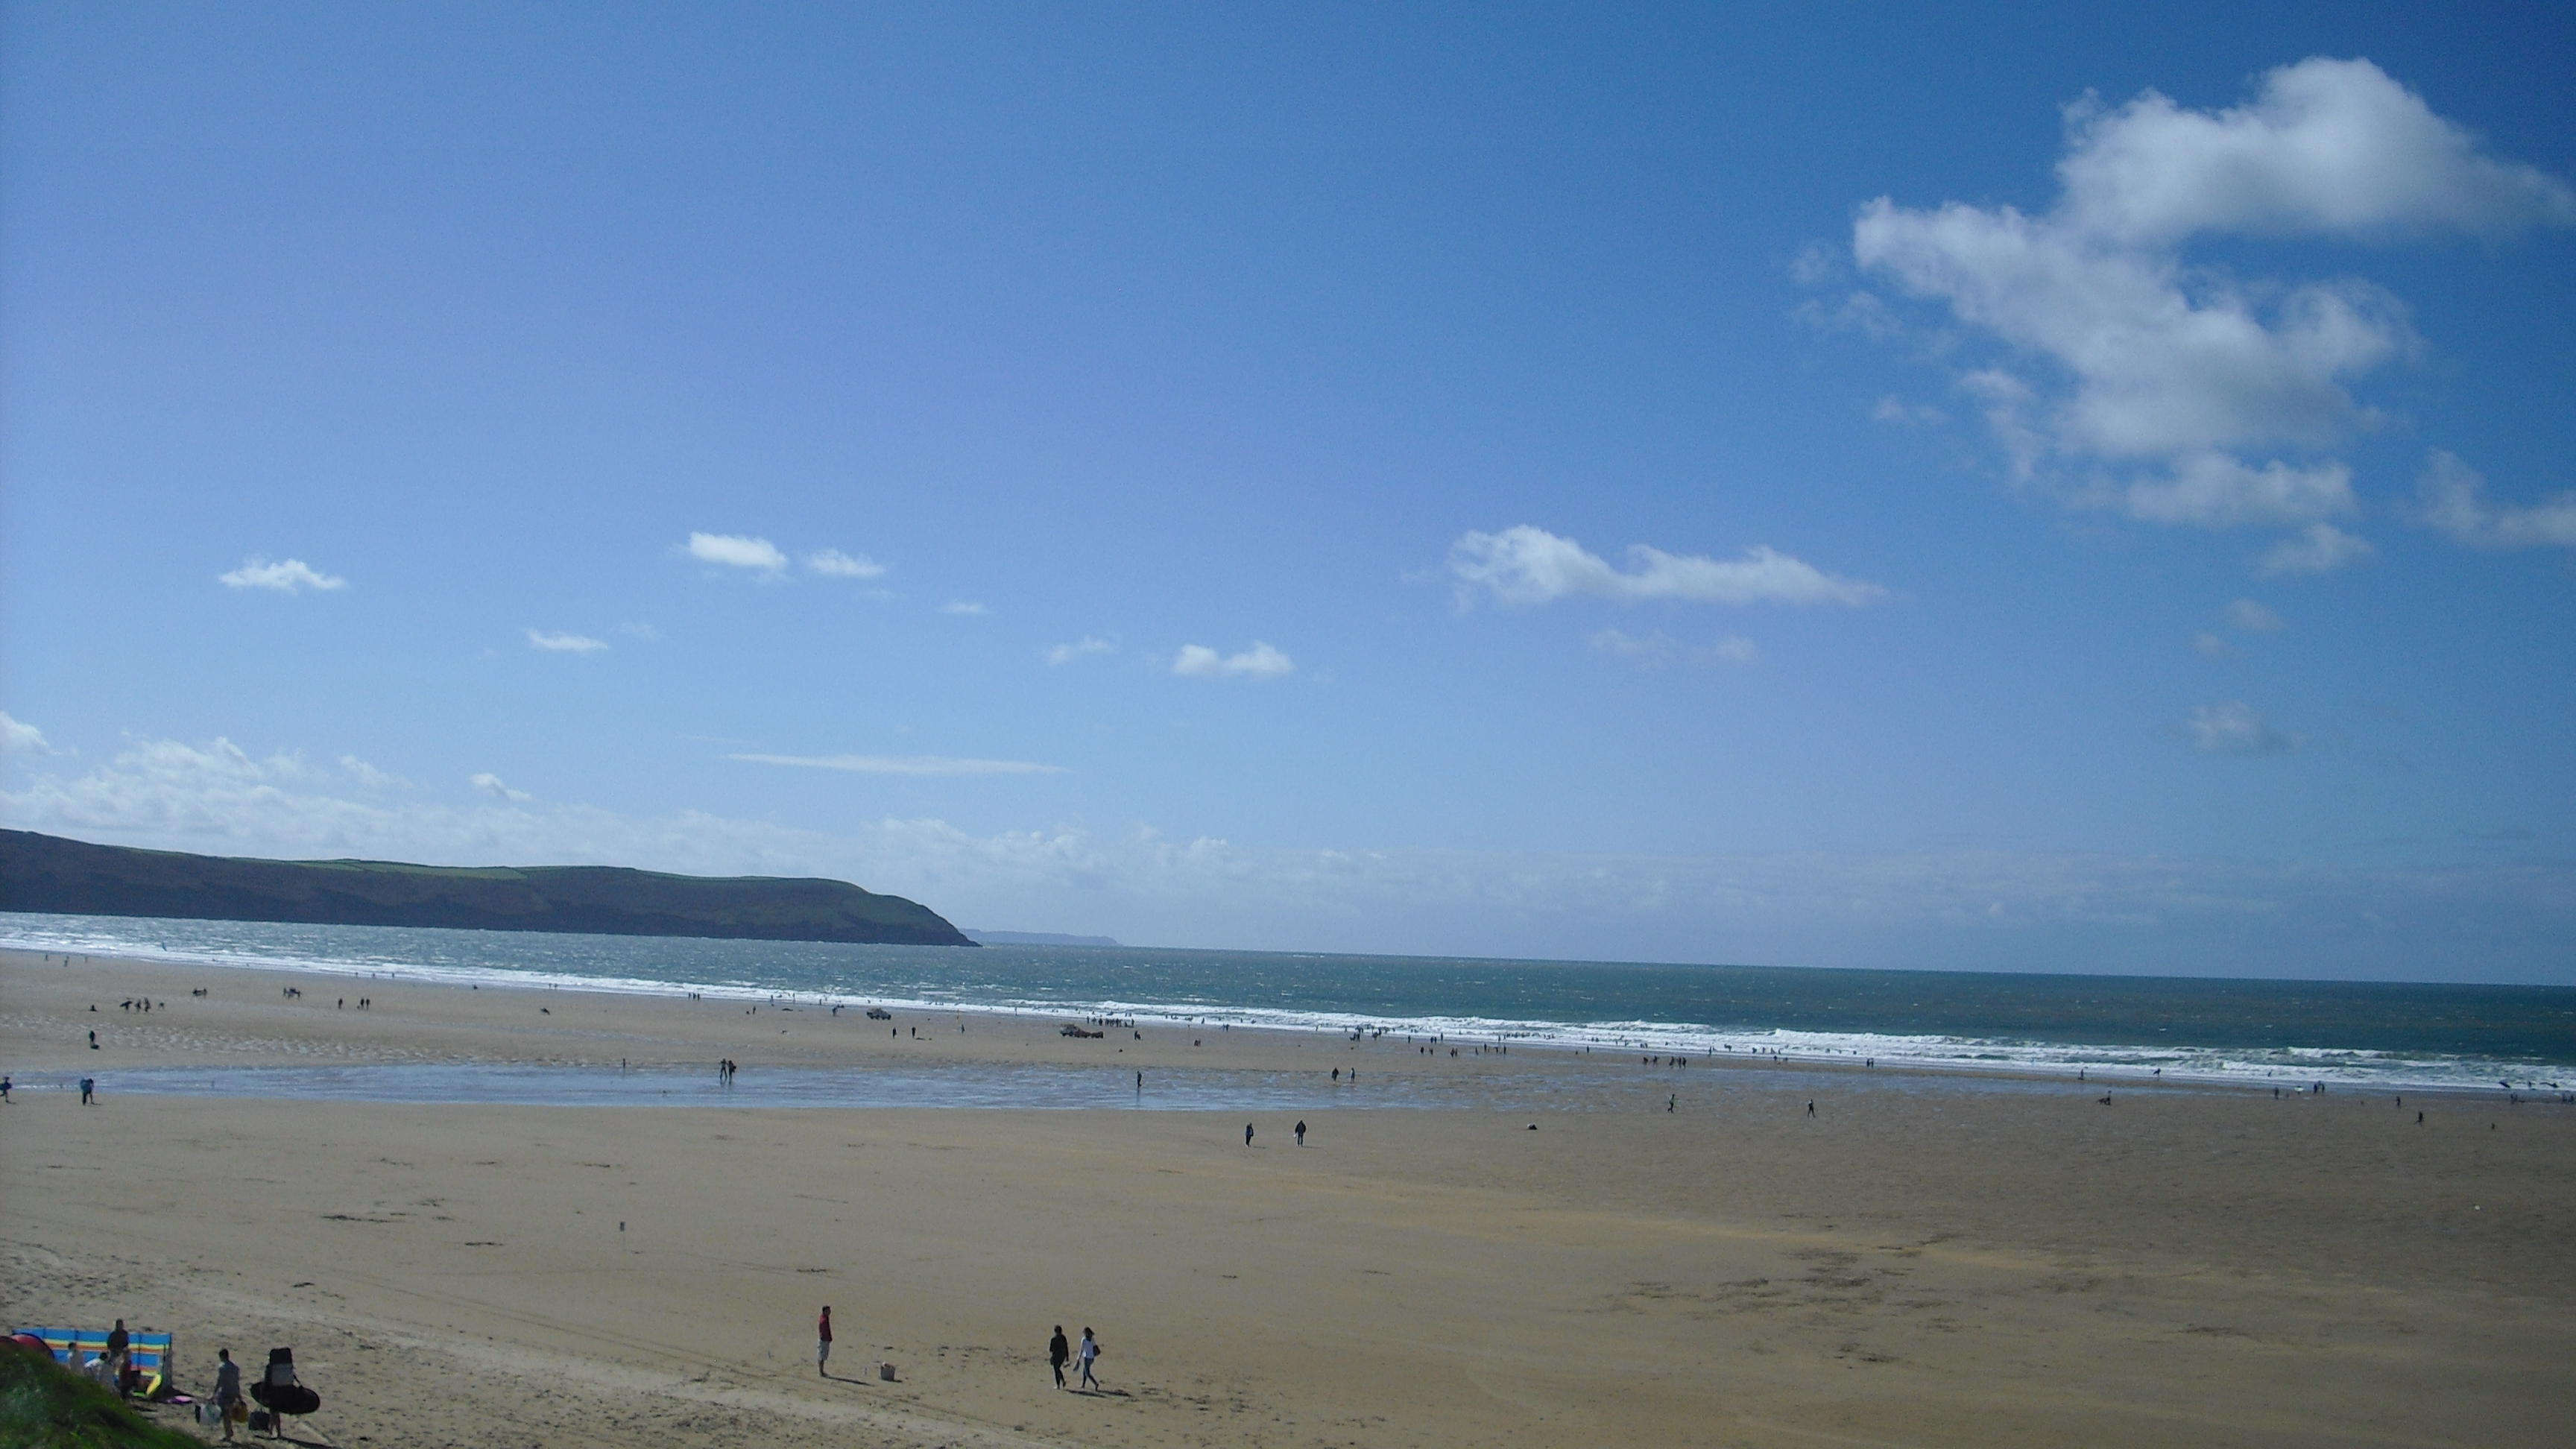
[1994, 1026]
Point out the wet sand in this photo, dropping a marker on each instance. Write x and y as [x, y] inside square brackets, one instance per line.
[1944, 1267]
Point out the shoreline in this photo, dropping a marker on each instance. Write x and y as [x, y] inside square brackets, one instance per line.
[2116, 1063]
[1775, 1257]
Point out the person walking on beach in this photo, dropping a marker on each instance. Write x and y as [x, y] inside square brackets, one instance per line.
[1090, 1352]
[823, 1342]
[1247, 1141]
[1301, 1131]
[89, 1092]
[227, 1389]
[1059, 1353]
[1811, 1109]
[4, 1088]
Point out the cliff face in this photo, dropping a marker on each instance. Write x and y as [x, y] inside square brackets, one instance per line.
[46, 873]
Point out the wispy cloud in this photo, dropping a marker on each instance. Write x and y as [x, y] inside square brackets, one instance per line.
[836, 564]
[371, 777]
[736, 551]
[565, 643]
[2210, 646]
[1947, 909]
[1896, 410]
[286, 576]
[2253, 618]
[1258, 662]
[2234, 728]
[1526, 565]
[1653, 650]
[2320, 548]
[2453, 496]
[490, 784]
[1082, 648]
[20, 738]
[965, 609]
[905, 764]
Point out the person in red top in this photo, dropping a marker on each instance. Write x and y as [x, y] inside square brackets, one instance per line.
[823, 1341]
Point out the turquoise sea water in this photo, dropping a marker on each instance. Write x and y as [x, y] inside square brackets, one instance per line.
[2276, 1031]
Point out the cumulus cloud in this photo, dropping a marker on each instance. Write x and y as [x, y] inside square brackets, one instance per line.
[905, 764]
[2252, 618]
[20, 738]
[490, 784]
[2235, 728]
[1527, 566]
[1258, 662]
[2320, 548]
[1082, 648]
[2453, 498]
[286, 576]
[736, 551]
[564, 643]
[839, 565]
[967, 610]
[2121, 353]
[2328, 147]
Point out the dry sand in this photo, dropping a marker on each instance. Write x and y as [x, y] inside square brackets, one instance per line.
[1949, 1267]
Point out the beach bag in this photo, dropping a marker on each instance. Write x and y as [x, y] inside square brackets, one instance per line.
[258, 1420]
[885, 1371]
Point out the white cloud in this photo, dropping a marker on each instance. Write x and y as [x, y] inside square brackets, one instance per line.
[490, 784]
[2138, 914]
[905, 764]
[1658, 648]
[1526, 565]
[2176, 368]
[837, 564]
[287, 576]
[1655, 646]
[736, 551]
[371, 777]
[2453, 495]
[2252, 618]
[1893, 409]
[2320, 548]
[2213, 490]
[2329, 147]
[971, 611]
[565, 643]
[2235, 728]
[1258, 662]
[20, 738]
[2210, 646]
[1082, 648]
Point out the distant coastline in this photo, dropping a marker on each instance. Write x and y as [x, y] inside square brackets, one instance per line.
[982, 937]
[49, 874]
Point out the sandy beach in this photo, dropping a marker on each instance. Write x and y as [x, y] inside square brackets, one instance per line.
[1910, 1265]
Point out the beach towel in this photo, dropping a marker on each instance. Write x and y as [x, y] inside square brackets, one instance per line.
[73, 1347]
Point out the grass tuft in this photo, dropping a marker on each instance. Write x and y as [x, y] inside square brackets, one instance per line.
[46, 1406]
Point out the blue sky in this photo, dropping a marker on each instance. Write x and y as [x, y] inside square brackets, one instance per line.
[1988, 489]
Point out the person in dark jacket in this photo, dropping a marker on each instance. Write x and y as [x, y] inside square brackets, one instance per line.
[1059, 1353]
[228, 1390]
